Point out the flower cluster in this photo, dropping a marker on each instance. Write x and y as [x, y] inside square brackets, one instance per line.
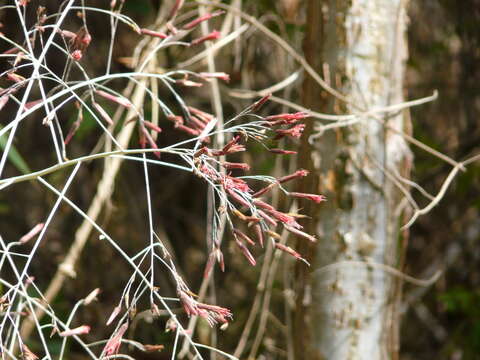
[249, 215]
[239, 198]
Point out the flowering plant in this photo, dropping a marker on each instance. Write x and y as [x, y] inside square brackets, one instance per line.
[35, 88]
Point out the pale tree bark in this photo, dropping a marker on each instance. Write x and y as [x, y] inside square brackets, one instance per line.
[346, 303]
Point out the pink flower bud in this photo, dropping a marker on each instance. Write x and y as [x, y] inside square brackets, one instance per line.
[257, 105]
[289, 251]
[264, 190]
[294, 116]
[175, 119]
[113, 345]
[201, 151]
[231, 143]
[267, 218]
[187, 129]
[178, 4]
[259, 233]
[15, 77]
[67, 34]
[215, 75]
[286, 219]
[203, 116]
[209, 266]
[297, 174]
[243, 236]
[263, 204]
[246, 252]
[282, 152]
[200, 125]
[153, 348]
[114, 314]
[237, 197]
[301, 233]
[32, 233]
[3, 101]
[91, 297]
[117, 99]
[189, 304]
[212, 36]
[31, 104]
[13, 50]
[295, 131]
[152, 126]
[103, 113]
[153, 33]
[316, 198]
[151, 142]
[77, 55]
[231, 165]
[27, 354]
[200, 19]
[171, 28]
[188, 83]
[84, 329]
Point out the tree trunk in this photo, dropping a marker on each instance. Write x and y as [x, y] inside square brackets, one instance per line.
[349, 313]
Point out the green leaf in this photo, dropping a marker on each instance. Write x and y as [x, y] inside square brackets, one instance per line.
[14, 156]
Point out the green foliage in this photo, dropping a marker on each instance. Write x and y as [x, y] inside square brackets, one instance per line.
[462, 304]
[140, 7]
[14, 156]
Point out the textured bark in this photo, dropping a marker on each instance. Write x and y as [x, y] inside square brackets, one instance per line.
[351, 314]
